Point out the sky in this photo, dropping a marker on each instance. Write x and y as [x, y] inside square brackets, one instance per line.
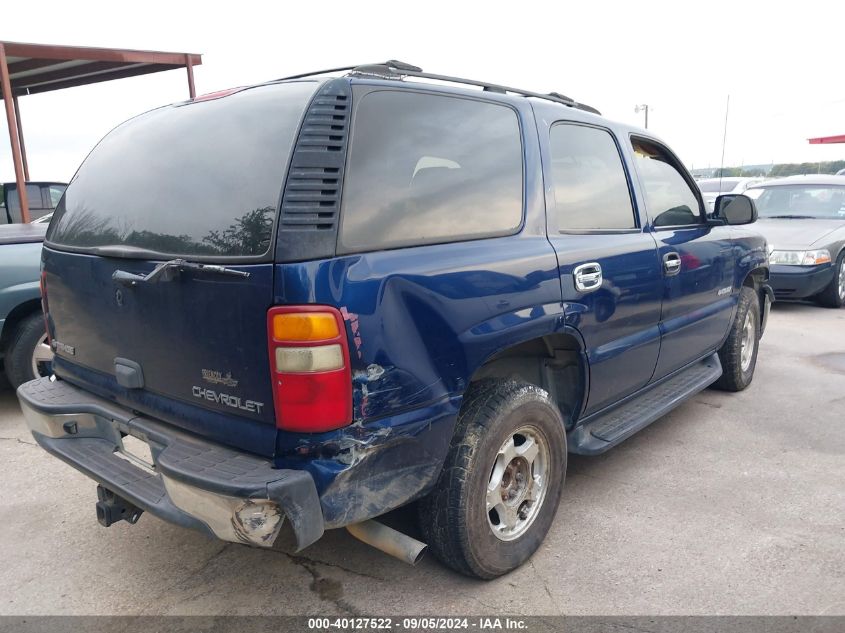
[781, 63]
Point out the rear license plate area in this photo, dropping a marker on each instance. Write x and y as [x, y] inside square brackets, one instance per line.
[136, 451]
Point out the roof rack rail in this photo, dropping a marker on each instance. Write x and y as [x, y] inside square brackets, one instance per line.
[393, 69]
[369, 69]
[317, 72]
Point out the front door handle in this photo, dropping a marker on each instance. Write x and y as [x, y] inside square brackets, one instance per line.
[672, 263]
[588, 277]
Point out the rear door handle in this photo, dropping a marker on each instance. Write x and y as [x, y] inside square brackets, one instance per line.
[588, 277]
[672, 263]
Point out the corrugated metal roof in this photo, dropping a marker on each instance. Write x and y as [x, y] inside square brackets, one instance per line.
[824, 140]
[35, 68]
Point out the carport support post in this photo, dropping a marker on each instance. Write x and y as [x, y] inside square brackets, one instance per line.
[189, 66]
[20, 138]
[11, 120]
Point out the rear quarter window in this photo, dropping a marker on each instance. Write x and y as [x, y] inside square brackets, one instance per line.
[426, 169]
[196, 179]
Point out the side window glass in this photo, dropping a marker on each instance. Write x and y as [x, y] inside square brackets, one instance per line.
[591, 189]
[56, 192]
[428, 169]
[670, 200]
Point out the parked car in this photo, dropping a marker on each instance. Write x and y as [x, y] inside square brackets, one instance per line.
[42, 197]
[23, 338]
[841, 172]
[803, 218]
[421, 292]
[712, 188]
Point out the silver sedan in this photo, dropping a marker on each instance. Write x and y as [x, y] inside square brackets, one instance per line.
[803, 219]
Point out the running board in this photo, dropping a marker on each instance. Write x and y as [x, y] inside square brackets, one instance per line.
[606, 429]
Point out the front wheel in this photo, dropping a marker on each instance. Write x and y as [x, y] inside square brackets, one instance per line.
[739, 352]
[500, 486]
[833, 296]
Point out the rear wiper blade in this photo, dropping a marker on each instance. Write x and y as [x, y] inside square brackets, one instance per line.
[166, 271]
[122, 250]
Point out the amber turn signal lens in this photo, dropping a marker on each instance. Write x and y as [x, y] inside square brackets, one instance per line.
[304, 326]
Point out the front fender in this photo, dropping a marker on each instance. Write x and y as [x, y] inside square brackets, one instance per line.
[751, 254]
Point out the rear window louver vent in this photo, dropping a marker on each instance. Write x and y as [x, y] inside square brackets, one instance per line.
[311, 201]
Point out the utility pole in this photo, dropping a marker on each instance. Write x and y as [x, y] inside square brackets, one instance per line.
[724, 140]
[642, 108]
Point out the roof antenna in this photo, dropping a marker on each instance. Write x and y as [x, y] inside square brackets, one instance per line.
[724, 140]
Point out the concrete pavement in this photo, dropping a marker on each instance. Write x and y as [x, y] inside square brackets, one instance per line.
[733, 504]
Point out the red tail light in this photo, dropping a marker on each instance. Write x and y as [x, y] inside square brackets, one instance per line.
[309, 363]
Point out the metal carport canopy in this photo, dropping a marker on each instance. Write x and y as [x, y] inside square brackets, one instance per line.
[33, 68]
[824, 140]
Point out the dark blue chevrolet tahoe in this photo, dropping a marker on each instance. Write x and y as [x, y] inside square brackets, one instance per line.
[302, 304]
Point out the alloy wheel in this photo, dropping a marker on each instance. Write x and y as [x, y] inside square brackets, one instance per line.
[518, 482]
[42, 357]
[749, 334]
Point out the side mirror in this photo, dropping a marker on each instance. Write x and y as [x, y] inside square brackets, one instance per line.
[735, 209]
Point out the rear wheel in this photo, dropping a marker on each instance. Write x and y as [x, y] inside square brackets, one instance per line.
[738, 355]
[833, 296]
[29, 355]
[500, 486]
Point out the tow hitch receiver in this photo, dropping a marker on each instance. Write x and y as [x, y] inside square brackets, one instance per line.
[111, 508]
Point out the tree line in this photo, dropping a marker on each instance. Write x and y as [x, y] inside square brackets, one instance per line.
[782, 169]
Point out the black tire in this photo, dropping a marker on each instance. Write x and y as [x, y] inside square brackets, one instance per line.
[454, 516]
[735, 377]
[833, 296]
[18, 359]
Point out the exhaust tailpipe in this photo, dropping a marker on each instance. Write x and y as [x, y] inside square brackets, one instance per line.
[408, 550]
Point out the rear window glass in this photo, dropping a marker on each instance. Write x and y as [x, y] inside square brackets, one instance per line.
[195, 179]
[427, 169]
[33, 198]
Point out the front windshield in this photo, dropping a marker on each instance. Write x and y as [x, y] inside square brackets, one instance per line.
[806, 201]
[716, 186]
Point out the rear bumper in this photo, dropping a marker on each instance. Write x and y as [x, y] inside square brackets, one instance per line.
[192, 482]
[799, 282]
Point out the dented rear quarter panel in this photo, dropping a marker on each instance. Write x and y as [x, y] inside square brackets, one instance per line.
[420, 321]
